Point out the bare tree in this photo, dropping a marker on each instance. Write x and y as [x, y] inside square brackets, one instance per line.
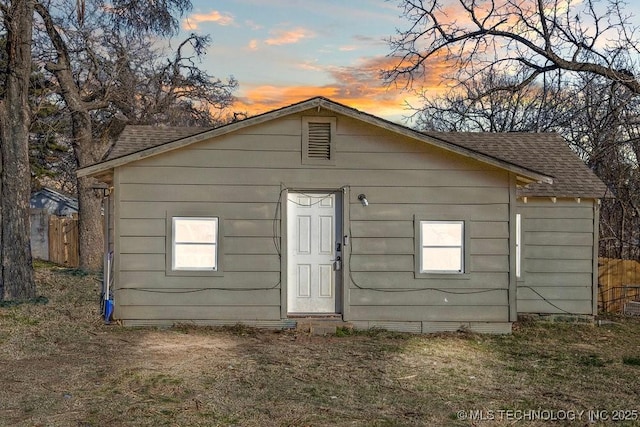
[587, 49]
[101, 60]
[170, 89]
[525, 38]
[476, 107]
[16, 270]
[604, 130]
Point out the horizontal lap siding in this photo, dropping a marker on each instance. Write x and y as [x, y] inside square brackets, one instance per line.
[381, 264]
[238, 312]
[439, 313]
[389, 281]
[238, 178]
[199, 182]
[382, 259]
[557, 257]
[405, 246]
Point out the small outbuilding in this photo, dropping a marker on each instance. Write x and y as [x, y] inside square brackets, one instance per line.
[320, 210]
[44, 204]
[53, 202]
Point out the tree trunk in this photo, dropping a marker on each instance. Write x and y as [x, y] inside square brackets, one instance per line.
[16, 276]
[90, 229]
[87, 150]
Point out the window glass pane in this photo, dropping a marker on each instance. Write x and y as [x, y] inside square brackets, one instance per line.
[202, 230]
[442, 259]
[187, 256]
[441, 234]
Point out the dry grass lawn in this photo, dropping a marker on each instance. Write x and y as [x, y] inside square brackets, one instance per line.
[61, 366]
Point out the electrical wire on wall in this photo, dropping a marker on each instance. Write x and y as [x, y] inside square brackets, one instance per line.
[192, 291]
[277, 218]
[546, 300]
[277, 242]
[368, 288]
[426, 288]
[397, 290]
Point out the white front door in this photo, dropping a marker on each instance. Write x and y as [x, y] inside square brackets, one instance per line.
[313, 256]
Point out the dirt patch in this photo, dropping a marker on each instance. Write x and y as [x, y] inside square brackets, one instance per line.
[62, 366]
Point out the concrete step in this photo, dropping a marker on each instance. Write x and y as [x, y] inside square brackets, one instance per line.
[321, 326]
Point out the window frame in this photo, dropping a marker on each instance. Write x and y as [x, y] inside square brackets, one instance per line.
[464, 246]
[171, 270]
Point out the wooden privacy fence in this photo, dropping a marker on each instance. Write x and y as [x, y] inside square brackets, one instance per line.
[63, 241]
[618, 283]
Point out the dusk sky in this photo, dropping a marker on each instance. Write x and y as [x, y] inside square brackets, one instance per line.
[284, 51]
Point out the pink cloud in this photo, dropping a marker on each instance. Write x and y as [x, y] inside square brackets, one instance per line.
[292, 36]
[192, 22]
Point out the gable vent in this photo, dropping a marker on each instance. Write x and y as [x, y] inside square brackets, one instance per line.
[319, 144]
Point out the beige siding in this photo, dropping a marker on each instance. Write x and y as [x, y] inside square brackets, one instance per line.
[477, 313]
[385, 280]
[557, 258]
[239, 178]
[233, 280]
[186, 313]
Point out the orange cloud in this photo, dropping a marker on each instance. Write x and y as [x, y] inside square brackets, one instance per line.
[389, 104]
[359, 86]
[288, 36]
[191, 22]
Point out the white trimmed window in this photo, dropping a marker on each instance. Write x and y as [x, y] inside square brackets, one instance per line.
[194, 242]
[442, 246]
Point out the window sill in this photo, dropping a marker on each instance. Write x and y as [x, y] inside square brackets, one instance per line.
[445, 276]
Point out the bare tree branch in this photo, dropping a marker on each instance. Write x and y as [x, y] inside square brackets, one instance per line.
[108, 73]
[577, 36]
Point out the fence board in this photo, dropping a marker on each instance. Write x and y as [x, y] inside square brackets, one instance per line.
[63, 241]
[618, 283]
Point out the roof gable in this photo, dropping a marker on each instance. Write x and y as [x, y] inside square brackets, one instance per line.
[139, 142]
[543, 159]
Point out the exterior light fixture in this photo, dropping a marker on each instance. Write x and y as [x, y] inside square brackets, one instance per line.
[100, 189]
[363, 199]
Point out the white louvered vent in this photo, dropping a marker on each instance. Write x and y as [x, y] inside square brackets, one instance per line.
[319, 144]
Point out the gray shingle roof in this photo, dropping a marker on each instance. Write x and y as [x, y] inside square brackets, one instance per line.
[53, 202]
[546, 153]
[136, 138]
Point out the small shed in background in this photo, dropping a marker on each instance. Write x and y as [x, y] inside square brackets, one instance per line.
[54, 202]
[54, 227]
